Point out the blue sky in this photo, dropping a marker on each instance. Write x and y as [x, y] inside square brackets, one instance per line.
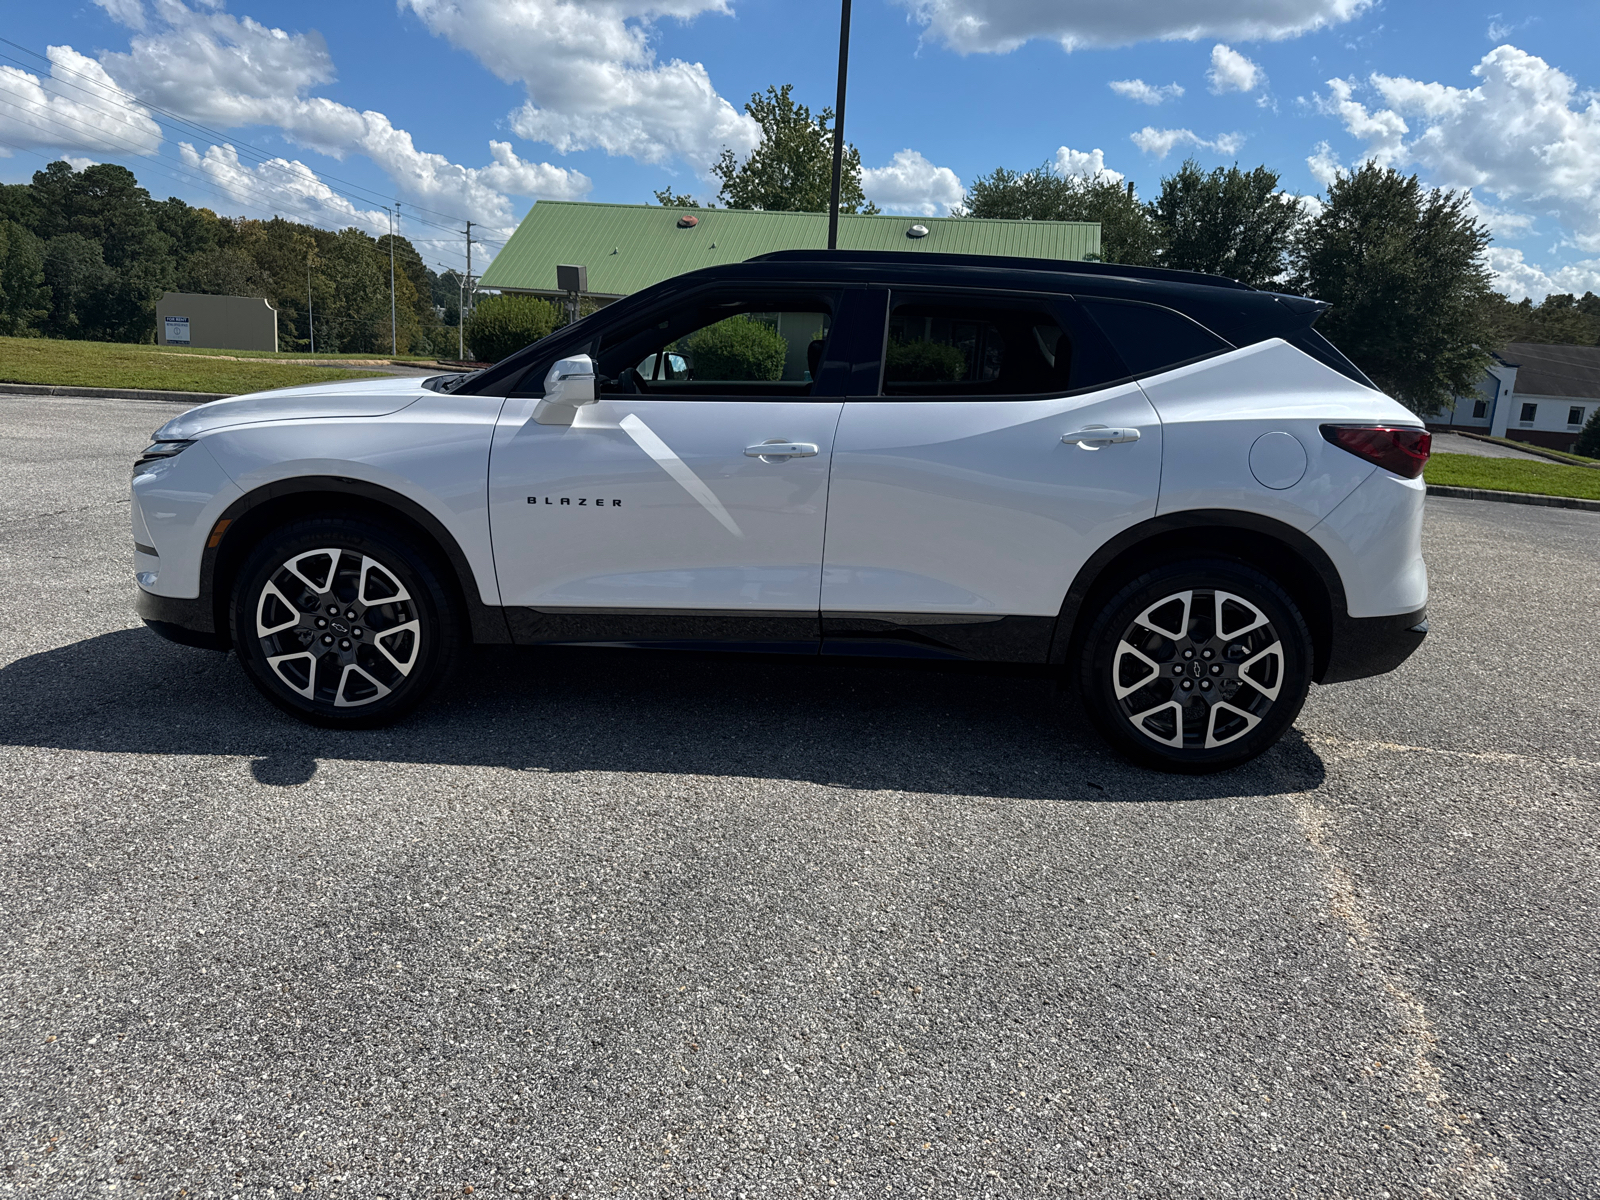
[473, 109]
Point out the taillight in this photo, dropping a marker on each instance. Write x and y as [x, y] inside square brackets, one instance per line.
[1403, 449]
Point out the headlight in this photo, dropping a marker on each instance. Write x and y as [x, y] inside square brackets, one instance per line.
[157, 452]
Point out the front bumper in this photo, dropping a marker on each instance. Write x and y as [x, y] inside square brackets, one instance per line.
[1366, 646]
[187, 622]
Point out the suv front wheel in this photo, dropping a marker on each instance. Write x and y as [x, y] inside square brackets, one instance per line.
[341, 622]
[1196, 666]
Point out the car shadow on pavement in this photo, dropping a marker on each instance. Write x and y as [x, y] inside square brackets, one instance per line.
[839, 723]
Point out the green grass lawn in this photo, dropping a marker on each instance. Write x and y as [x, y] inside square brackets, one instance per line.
[110, 364]
[1513, 475]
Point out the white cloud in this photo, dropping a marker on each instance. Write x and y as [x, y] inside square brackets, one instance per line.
[592, 76]
[76, 107]
[280, 184]
[1525, 134]
[78, 161]
[233, 72]
[1091, 164]
[912, 184]
[1518, 278]
[124, 12]
[999, 26]
[1324, 164]
[1144, 93]
[1161, 142]
[1233, 72]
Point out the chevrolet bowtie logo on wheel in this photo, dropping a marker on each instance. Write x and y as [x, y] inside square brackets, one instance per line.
[577, 502]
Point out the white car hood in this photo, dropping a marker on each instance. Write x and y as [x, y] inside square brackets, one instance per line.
[356, 398]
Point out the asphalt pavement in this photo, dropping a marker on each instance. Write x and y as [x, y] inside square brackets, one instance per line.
[1454, 443]
[609, 924]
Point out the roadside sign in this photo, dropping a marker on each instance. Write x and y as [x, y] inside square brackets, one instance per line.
[178, 329]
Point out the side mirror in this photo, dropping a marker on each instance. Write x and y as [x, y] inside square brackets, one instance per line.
[568, 386]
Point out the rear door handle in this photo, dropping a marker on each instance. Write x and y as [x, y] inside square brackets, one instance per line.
[1095, 436]
[776, 451]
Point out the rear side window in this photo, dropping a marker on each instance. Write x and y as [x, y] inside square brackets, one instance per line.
[975, 345]
[1150, 338]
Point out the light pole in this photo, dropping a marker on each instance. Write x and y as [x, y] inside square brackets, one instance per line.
[461, 302]
[394, 340]
[838, 126]
[311, 327]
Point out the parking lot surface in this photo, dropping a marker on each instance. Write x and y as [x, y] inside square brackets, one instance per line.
[599, 923]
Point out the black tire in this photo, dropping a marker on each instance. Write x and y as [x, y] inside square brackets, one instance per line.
[315, 661]
[1164, 685]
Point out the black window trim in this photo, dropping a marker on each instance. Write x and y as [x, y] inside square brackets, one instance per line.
[824, 289]
[1041, 298]
[1227, 346]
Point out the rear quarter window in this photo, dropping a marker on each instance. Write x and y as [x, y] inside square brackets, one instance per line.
[1150, 338]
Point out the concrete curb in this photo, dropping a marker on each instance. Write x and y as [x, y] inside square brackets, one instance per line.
[1462, 493]
[94, 393]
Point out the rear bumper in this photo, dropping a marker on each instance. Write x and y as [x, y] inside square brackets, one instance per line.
[1366, 646]
[187, 622]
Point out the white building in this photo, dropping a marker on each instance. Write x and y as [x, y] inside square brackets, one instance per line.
[1532, 393]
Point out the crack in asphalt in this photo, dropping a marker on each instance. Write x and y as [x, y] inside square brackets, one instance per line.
[1471, 1171]
[1356, 747]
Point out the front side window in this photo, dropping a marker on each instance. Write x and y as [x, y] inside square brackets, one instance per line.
[1480, 409]
[745, 346]
[1528, 412]
[1151, 338]
[999, 346]
[1574, 416]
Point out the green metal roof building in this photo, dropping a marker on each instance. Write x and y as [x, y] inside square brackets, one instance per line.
[628, 247]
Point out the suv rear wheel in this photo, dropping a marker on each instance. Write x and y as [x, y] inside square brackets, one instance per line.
[1196, 666]
[341, 622]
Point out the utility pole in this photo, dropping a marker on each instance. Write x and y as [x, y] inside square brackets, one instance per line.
[838, 126]
[394, 338]
[311, 326]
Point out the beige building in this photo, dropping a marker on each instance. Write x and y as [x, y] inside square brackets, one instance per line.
[216, 322]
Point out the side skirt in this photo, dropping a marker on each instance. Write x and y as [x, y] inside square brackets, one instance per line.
[956, 637]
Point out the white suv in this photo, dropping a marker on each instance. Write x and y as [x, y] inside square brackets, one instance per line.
[1166, 487]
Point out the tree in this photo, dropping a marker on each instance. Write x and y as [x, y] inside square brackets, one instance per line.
[1226, 222]
[81, 287]
[223, 272]
[24, 298]
[357, 314]
[1127, 232]
[1559, 320]
[414, 293]
[792, 169]
[105, 205]
[1589, 440]
[671, 199]
[1403, 267]
[503, 324]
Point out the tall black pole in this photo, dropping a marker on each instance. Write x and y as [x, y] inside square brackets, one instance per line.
[838, 126]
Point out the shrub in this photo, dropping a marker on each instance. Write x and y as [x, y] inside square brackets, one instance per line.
[738, 350]
[502, 325]
[925, 362]
[1589, 440]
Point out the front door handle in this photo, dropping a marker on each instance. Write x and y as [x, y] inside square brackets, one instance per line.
[778, 451]
[1095, 436]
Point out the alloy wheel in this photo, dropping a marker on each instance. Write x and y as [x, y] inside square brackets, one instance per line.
[1198, 669]
[337, 626]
